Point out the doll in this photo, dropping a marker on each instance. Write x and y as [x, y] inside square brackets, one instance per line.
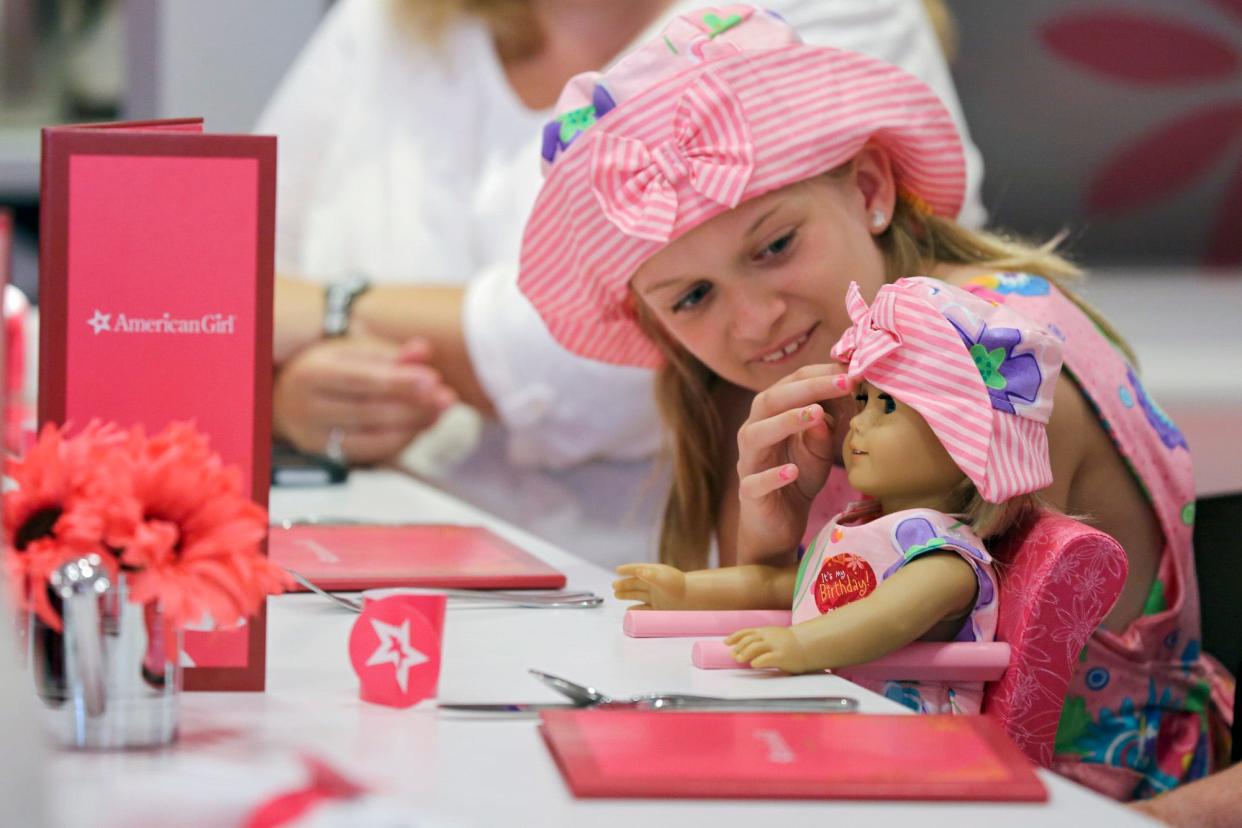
[949, 446]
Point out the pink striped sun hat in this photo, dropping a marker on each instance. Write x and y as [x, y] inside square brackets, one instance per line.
[725, 105]
[979, 373]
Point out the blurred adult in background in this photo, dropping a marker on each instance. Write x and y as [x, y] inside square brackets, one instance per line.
[409, 135]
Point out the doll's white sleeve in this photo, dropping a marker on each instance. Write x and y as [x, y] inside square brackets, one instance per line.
[560, 409]
[897, 31]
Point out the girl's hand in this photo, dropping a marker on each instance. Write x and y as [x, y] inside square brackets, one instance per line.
[656, 586]
[785, 452]
[770, 647]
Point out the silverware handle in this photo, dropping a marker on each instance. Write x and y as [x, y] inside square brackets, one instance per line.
[515, 595]
[826, 704]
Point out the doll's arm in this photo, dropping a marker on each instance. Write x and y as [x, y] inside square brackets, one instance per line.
[935, 587]
[658, 586]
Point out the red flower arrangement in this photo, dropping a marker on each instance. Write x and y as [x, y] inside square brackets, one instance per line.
[163, 509]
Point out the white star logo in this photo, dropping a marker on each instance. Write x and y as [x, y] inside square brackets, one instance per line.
[100, 322]
[394, 648]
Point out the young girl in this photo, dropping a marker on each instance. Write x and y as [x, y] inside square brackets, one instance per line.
[949, 444]
[708, 223]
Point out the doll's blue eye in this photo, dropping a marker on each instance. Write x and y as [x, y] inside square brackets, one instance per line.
[890, 405]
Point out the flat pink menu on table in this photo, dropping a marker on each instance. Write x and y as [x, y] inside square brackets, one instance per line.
[347, 556]
[656, 754]
[155, 282]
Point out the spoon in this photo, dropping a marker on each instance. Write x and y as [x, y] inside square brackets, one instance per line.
[583, 697]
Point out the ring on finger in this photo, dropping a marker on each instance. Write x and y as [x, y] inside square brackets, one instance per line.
[333, 448]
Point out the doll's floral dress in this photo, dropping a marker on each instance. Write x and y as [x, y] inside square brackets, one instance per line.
[860, 548]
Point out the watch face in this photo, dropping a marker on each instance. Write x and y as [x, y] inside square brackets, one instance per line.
[338, 298]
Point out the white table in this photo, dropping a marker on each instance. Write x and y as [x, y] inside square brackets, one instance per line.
[236, 749]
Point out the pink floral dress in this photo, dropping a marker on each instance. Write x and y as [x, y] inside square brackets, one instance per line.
[1146, 709]
[860, 548]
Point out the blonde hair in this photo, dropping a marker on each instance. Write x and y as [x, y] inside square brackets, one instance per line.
[988, 520]
[685, 388]
[511, 22]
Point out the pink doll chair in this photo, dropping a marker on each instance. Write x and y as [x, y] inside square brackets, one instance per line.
[1058, 579]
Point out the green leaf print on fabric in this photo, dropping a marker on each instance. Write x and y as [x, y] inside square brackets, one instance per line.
[807, 557]
[1188, 514]
[718, 25]
[575, 121]
[1199, 697]
[1073, 724]
[919, 549]
[989, 364]
[1155, 599]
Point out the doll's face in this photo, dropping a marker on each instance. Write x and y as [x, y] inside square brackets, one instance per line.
[892, 454]
[759, 291]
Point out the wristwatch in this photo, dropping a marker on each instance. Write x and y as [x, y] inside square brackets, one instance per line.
[338, 300]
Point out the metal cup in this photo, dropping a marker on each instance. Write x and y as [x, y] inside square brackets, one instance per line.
[111, 678]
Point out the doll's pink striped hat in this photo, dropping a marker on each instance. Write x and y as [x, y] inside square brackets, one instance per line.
[979, 373]
[725, 105]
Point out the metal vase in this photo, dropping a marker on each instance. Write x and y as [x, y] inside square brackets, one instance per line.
[111, 679]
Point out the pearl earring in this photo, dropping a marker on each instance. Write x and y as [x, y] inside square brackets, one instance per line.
[877, 218]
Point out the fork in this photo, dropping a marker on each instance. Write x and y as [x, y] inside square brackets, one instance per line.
[584, 696]
[544, 600]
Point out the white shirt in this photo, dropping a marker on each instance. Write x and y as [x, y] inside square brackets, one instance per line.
[418, 164]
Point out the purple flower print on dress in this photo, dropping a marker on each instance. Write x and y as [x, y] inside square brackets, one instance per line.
[914, 536]
[561, 131]
[1169, 433]
[1006, 375]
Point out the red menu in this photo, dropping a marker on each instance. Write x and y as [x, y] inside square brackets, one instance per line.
[155, 282]
[683, 755]
[347, 556]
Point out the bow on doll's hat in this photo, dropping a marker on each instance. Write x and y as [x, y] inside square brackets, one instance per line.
[980, 374]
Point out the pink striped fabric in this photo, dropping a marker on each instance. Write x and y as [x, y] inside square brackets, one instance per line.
[980, 375]
[688, 133]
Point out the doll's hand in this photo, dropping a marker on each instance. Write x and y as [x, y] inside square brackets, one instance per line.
[785, 452]
[656, 586]
[770, 647]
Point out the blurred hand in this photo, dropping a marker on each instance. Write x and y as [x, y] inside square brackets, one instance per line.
[379, 394]
[655, 586]
[785, 451]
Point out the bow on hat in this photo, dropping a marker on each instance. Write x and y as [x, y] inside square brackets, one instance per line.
[711, 149]
[907, 348]
[874, 333]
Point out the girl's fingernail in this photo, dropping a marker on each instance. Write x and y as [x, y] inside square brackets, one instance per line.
[788, 471]
[810, 413]
[843, 382]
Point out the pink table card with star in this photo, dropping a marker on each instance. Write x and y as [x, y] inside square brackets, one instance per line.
[155, 283]
[394, 647]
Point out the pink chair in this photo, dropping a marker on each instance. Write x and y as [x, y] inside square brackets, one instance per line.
[1058, 579]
